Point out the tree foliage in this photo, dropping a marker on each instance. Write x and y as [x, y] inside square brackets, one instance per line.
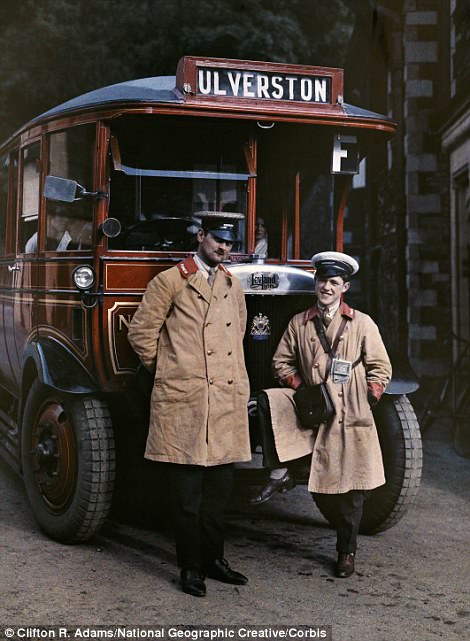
[53, 50]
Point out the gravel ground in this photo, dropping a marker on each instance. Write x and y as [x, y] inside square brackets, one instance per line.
[412, 581]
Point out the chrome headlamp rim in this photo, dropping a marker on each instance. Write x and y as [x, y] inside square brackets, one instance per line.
[86, 286]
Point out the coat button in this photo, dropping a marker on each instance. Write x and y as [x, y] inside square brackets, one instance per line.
[340, 420]
[230, 381]
[209, 351]
[340, 393]
[211, 381]
[229, 323]
[229, 353]
[317, 365]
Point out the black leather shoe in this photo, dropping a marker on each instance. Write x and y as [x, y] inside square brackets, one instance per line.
[192, 582]
[271, 487]
[220, 570]
[345, 565]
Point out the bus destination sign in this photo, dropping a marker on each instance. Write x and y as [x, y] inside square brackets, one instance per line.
[263, 85]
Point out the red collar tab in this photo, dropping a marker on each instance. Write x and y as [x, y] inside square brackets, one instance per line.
[313, 311]
[187, 267]
[225, 270]
[345, 310]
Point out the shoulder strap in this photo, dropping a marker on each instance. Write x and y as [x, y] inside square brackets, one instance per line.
[330, 350]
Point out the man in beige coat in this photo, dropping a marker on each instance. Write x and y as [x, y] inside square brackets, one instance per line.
[188, 330]
[346, 456]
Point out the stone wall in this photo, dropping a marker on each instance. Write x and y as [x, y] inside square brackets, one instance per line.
[427, 219]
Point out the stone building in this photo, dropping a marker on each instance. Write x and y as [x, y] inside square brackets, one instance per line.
[411, 60]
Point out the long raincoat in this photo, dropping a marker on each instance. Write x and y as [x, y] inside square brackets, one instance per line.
[191, 336]
[346, 454]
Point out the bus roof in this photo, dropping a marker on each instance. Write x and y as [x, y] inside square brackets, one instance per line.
[160, 89]
[235, 88]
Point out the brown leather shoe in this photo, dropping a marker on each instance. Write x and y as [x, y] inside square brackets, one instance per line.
[271, 487]
[345, 565]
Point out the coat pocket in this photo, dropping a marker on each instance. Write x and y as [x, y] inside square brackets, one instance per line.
[359, 414]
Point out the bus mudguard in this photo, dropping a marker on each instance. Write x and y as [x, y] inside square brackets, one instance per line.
[59, 368]
[404, 380]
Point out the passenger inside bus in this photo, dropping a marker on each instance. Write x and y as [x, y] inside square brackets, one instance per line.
[261, 238]
[66, 230]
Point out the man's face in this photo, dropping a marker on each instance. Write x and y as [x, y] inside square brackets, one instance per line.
[329, 290]
[212, 250]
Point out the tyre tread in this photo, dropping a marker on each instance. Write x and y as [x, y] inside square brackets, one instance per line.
[90, 505]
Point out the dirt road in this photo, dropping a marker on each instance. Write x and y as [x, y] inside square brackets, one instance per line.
[412, 583]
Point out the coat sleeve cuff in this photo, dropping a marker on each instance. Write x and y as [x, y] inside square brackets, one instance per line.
[293, 381]
[376, 389]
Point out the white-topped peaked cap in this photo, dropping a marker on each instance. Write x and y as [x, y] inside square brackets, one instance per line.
[328, 264]
[221, 224]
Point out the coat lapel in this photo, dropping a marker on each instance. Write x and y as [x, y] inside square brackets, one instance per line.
[200, 284]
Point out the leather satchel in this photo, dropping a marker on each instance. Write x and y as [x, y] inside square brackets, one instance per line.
[314, 405]
[313, 402]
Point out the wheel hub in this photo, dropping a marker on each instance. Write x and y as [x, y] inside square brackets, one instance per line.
[54, 456]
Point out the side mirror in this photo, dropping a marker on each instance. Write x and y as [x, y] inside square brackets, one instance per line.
[67, 191]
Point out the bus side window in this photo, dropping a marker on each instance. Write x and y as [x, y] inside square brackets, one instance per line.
[68, 225]
[31, 171]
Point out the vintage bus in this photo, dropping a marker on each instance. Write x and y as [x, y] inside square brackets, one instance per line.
[98, 195]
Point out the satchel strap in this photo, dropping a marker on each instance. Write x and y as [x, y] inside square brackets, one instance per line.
[330, 350]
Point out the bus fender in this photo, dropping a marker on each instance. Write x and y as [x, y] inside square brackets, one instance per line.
[404, 379]
[58, 367]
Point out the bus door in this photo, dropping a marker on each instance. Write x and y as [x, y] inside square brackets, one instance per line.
[295, 190]
[19, 320]
[8, 197]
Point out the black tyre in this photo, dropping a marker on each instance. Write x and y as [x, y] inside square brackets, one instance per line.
[400, 440]
[68, 462]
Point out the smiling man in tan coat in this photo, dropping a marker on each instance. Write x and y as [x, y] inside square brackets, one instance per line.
[329, 342]
[189, 331]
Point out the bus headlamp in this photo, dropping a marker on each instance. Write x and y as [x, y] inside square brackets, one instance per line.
[83, 277]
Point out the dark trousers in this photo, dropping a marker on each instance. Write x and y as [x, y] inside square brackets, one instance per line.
[345, 514]
[199, 497]
[345, 510]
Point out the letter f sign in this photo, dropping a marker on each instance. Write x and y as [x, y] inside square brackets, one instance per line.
[345, 155]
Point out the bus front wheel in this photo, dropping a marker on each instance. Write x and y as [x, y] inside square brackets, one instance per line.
[400, 441]
[68, 462]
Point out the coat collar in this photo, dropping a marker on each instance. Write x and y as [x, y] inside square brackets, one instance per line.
[188, 267]
[313, 311]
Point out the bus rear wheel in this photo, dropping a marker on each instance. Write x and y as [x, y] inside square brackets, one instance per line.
[400, 441]
[68, 462]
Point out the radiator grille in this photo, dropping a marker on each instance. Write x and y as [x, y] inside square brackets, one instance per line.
[259, 353]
